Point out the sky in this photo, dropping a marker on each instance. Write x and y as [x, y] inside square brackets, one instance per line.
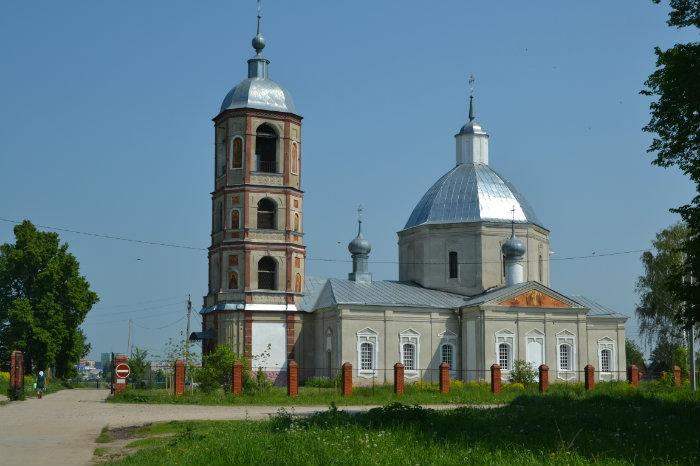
[105, 127]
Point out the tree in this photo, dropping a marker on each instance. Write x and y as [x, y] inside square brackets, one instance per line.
[666, 355]
[216, 369]
[634, 355]
[675, 120]
[43, 301]
[138, 363]
[659, 307]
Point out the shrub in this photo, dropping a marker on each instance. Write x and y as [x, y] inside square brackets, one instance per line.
[421, 386]
[522, 373]
[456, 384]
[514, 386]
[321, 382]
[216, 369]
[4, 376]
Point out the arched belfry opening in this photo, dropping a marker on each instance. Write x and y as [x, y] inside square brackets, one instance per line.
[267, 212]
[267, 273]
[266, 148]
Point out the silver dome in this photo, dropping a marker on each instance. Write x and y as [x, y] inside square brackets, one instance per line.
[472, 193]
[260, 93]
[514, 248]
[359, 245]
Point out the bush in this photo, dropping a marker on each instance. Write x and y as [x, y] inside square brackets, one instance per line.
[322, 382]
[522, 373]
[515, 386]
[216, 369]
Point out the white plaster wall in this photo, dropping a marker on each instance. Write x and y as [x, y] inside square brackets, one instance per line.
[273, 334]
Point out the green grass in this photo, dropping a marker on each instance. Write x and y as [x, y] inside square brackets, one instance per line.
[100, 451]
[104, 436]
[466, 393]
[29, 391]
[630, 427]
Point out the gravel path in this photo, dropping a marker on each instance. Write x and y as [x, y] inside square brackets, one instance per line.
[61, 428]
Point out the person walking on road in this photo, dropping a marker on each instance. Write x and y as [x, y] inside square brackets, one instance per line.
[40, 384]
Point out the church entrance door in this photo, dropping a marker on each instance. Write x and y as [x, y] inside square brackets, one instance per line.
[535, 352]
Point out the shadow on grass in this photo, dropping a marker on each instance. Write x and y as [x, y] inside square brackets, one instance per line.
[634, 428]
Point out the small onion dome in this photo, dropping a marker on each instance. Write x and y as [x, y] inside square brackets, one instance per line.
[359, 245]
[513, 248]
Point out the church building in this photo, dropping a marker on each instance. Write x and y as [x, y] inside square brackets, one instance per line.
[474, 275]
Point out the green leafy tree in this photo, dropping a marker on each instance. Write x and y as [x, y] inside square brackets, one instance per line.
[523, 372]
[659, 307]
[634, 355]
[137, 363]
[43, 301]
[666, 355]
[216, 369]
[675, 121]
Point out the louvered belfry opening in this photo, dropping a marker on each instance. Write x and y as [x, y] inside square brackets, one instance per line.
[266, 149]
[267, 272]
[266, 214]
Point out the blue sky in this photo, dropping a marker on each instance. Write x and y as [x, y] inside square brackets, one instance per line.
[105, 127]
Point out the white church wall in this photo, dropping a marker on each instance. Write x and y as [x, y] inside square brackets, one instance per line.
[269, 338]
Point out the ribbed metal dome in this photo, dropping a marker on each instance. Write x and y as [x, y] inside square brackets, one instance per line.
[472, 192]
[260, 93]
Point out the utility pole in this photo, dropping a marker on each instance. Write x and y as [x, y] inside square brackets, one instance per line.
[187, 334]
[129, 344]
[691, 350]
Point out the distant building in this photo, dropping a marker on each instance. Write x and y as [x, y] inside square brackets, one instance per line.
[474, 273]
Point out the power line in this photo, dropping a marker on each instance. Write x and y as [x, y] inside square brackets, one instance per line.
[126, 319]
[145, 309]
[320, 259]
[164, 326]
[112, 306]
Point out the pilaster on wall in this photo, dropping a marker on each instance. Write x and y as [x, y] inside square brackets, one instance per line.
[248, 338]
[291, 319]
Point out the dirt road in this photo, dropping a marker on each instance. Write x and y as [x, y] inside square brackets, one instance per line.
[61, 428]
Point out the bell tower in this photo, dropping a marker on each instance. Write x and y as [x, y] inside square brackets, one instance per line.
[257, 252]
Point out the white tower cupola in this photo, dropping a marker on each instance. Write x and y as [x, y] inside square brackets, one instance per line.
[472, 141]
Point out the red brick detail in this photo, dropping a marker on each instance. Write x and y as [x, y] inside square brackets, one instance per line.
[237, 378]
[398, 378]
[17, 373]
[633, 375]
[346, 379]
[544, 378]
[589, 377]
[248, 337]
[248, 153]
[179, 377]
[246, 278]
[120, 384]
[676, 375]
[290, 335]
[444, 377]
[288, 264]
[292, 378]
[286, 143]
[495, 379]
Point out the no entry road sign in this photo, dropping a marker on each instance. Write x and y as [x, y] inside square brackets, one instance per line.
[122, 370]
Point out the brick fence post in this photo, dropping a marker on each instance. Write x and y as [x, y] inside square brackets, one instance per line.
[589, 377]
[398, 378]
[347, 379]
[676, 375]
[179, 377]
[17, 374]
[633, 375]
[237, 378]
[495, 379]
[544, 378]
[120, 383]
[292, 378]
[444, 377]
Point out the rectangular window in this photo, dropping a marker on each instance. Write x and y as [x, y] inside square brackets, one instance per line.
[504, 356]
[409, 357]
[605, 360]
[454, 265]
[366, 357]
[448, 355]
[564, 357]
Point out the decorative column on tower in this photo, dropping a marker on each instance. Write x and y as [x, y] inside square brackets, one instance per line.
[257, 253]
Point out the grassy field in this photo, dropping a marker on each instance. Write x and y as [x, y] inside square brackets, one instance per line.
[29, 392]
[625, 427]
[460, 393]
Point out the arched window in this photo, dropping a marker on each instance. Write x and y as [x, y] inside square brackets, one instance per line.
[219, 217]
[539, 268]
[297, 223]
[295, 158]
[266, 148]
[504, 356]
[297, 283]
[232, 280]
[267, 273]
[237, 153]
[366, 356]
[235, 220]
[565, 355]
[454, 265]
[605, 360]
[409, 357]
[266, 214]
[447, 351]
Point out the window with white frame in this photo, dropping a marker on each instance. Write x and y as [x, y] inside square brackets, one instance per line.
[606, 352]
[448, 355]
[505, 344]
[566, 355]
[448, 352]
[367, 352]
[409, 349]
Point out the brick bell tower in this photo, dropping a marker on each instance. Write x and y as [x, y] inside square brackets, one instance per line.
[257, 252]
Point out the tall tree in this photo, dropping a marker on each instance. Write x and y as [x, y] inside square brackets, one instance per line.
[659, 305]
[43, 301]
[675, 121]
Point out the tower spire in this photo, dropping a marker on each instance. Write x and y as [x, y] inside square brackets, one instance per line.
[359, 250]
[257, 66]
[258, 40]
[359, 219]
[472, 80]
